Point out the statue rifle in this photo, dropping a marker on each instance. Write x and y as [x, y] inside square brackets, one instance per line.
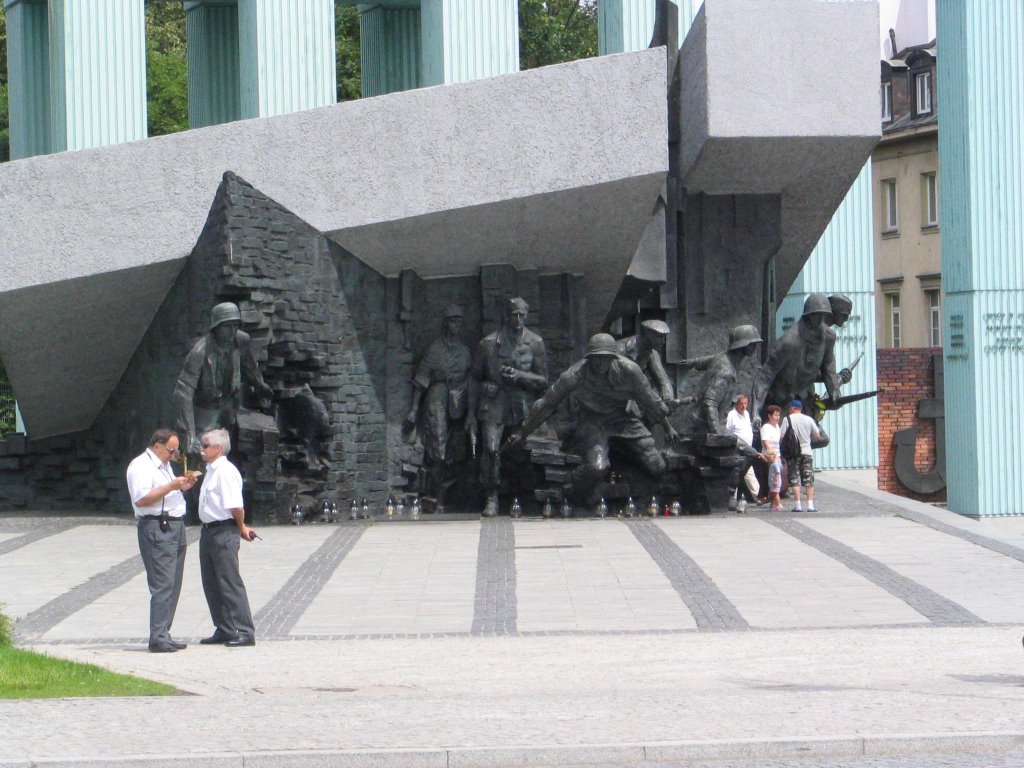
[834, 405]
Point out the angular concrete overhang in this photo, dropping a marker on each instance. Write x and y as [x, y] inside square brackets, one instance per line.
[781, 98]
[556, 169]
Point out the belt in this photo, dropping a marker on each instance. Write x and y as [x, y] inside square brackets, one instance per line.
[219, 523]
[157, 517]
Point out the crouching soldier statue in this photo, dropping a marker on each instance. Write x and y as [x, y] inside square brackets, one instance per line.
[603, 384]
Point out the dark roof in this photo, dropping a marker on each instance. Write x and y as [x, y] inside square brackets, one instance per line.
[909, 121]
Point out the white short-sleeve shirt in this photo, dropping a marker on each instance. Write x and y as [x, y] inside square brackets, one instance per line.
[739, 424]
[147, 472]
[221, 492]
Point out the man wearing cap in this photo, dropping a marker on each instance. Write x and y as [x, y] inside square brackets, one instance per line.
[208, 392]
[603, 383]
[801, 469]
[510, 370]
[440, 386]
[644, 349]
[160, 511]
[803, 355]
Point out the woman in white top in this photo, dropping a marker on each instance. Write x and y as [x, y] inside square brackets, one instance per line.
[771, 435]
[770, 431]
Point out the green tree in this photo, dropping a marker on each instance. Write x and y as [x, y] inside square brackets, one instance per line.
[166, 69]
[346, 52]
[554, 31]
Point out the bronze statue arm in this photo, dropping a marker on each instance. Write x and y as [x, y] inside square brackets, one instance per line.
[661, 376]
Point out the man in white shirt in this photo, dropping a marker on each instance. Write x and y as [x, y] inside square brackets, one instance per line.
[801, 470]
[160, 510]
[737, 422]
[223, 516]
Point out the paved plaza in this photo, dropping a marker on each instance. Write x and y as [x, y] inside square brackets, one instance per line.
[875, 625]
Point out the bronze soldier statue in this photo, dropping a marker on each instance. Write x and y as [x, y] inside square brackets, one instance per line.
[208, 392]
[645, 349]
[803, 355]
[509, 371]
[603, 384]
[717, 389]
[441, 389]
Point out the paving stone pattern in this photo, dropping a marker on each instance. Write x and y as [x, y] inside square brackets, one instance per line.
[450, 580]
[929, 604]
[494, 605]
[26, 535]
[709, 606]
[278, 616]
[45, 618]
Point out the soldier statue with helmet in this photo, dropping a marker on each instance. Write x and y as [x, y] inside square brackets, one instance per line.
[718, 387]
[804, 354]
[208, 392]
[645, 349]
[603, 384]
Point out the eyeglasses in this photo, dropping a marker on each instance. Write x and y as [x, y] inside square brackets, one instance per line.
[206, 445]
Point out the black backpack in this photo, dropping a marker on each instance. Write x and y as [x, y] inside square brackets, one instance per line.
[790, 444]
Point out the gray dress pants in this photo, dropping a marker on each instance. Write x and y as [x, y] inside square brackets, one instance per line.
[163, 554]
[222, 582]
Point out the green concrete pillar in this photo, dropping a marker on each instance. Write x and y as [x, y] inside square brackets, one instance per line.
[624, 26]
[97, 73]
[843, 262]
[214, 81]
[28, 77]
[389, 48]
[77, 74]
[468, 39]
[286, 54]
[981, 154]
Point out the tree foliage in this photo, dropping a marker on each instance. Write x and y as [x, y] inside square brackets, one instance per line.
[554, 31]
[346, 52]
[166, 69]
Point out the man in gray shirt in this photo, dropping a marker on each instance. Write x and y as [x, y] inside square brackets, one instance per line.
[801, 469]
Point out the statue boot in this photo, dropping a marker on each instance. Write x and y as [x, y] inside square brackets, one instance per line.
[491, 508]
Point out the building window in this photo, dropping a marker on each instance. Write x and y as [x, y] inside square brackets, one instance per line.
[890, 210]
[892, 307]
[934, 317]
[886, 102]
[929, 200]
[923, 89]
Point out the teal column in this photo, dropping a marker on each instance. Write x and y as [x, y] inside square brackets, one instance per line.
[468, 39]
[389, 49]
[981, 154]
[843, 262]
[211, 35]
[624, 26]
[28, 77]
[286, 53]
[97, 73]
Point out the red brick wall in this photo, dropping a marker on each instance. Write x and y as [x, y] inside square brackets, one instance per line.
[904, 378]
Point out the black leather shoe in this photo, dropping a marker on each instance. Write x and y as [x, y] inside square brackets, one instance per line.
[240, 642]
[162, 648]
[216, 639]
[179, 646]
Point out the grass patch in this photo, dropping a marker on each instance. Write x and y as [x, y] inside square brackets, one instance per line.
[29, 675]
